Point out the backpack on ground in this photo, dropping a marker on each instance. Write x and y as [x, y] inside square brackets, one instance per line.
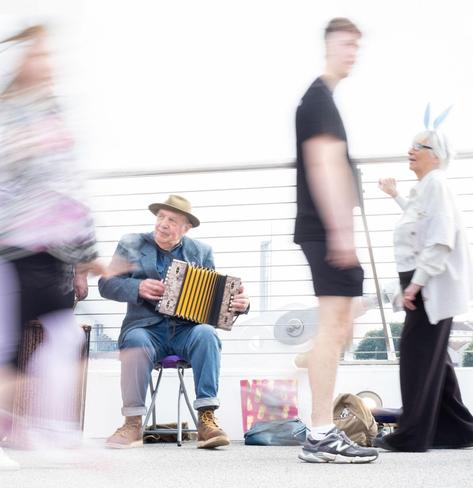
[352, 416]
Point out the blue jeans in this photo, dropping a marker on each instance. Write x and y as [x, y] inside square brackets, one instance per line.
[143, 347]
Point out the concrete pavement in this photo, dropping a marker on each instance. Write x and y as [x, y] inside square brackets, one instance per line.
[166, 465]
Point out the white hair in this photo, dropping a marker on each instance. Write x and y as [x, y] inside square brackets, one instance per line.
[440, 145]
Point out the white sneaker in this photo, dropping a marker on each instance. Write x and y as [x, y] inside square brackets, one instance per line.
[6, 463]
[336, 447]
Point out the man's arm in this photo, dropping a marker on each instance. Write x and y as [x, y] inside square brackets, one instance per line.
[332, 188]
[124, 287]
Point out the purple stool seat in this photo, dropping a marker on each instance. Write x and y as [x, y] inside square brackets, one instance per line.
[172, 361]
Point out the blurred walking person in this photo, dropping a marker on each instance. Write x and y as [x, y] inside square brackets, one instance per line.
[45, 230]
[326, 195]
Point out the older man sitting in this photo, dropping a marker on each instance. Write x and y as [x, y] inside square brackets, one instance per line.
[148, 336]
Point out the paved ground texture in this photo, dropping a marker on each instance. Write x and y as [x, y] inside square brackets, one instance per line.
[166, 465]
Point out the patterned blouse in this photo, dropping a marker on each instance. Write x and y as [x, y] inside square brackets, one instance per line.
[41, 201]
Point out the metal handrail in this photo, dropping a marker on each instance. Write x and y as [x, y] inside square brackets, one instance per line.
[280, 231]
[247, 167]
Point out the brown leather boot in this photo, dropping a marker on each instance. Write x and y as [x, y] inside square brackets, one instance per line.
[209, 434]
[128, 435]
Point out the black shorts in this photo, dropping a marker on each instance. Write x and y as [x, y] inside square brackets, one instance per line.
[328, 280]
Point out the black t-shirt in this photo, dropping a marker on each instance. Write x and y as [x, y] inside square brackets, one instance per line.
[317, 114]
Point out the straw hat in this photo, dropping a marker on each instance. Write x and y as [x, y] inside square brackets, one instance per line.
[178, 204]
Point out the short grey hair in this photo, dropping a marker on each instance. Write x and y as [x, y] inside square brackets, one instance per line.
[440, 145]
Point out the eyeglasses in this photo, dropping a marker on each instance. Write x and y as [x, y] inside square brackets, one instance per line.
[417, 146]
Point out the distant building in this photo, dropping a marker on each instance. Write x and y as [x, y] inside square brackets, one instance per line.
[101, 342]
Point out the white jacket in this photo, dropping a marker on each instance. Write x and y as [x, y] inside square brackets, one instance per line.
[431, 219]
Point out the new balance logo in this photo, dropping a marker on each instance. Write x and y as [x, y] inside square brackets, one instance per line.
[340, 445]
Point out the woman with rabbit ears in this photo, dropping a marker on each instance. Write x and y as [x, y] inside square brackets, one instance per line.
[432, 258]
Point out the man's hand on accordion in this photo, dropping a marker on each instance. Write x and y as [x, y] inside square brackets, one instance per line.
[151, 289]
[241, 302]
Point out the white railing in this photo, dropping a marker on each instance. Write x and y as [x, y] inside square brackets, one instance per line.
[247, 215]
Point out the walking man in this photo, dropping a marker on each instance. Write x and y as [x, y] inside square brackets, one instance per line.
[326, 195]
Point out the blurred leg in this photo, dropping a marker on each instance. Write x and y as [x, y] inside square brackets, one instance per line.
[140, 350]
[56, 366]
[9, 338]
[335, 329]
[336, 289]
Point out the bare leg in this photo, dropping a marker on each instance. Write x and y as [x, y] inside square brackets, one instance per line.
[334, 333]
[360, 306]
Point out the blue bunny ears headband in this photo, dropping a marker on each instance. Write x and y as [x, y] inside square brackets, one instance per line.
[438, 121]
[437, 140]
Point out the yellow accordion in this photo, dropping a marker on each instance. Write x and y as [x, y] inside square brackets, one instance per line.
[200, 295]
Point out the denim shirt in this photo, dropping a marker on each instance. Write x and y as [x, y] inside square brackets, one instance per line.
[164, 258]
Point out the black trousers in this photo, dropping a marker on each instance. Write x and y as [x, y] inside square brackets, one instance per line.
[433, 412]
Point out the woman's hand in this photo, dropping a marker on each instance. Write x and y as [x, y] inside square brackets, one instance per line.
[409, 296]
[81, 287]
[388, 185]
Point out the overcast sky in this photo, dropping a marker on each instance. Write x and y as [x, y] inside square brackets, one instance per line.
[190, 83]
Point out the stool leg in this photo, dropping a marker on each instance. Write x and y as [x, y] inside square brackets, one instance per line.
[180, 372]
[179, 425]
[154, 394]
[153, 405]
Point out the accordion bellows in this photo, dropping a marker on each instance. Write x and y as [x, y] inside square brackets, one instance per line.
[200, 295]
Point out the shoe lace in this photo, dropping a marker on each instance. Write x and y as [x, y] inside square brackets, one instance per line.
[347, 439]
[124, 429]
[208, 419]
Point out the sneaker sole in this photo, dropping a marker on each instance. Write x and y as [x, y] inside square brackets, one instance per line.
[116, 445]
[218, 441]
[325, 457]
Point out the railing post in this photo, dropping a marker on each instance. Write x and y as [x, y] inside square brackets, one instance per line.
[388, 337]
[265, 258]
